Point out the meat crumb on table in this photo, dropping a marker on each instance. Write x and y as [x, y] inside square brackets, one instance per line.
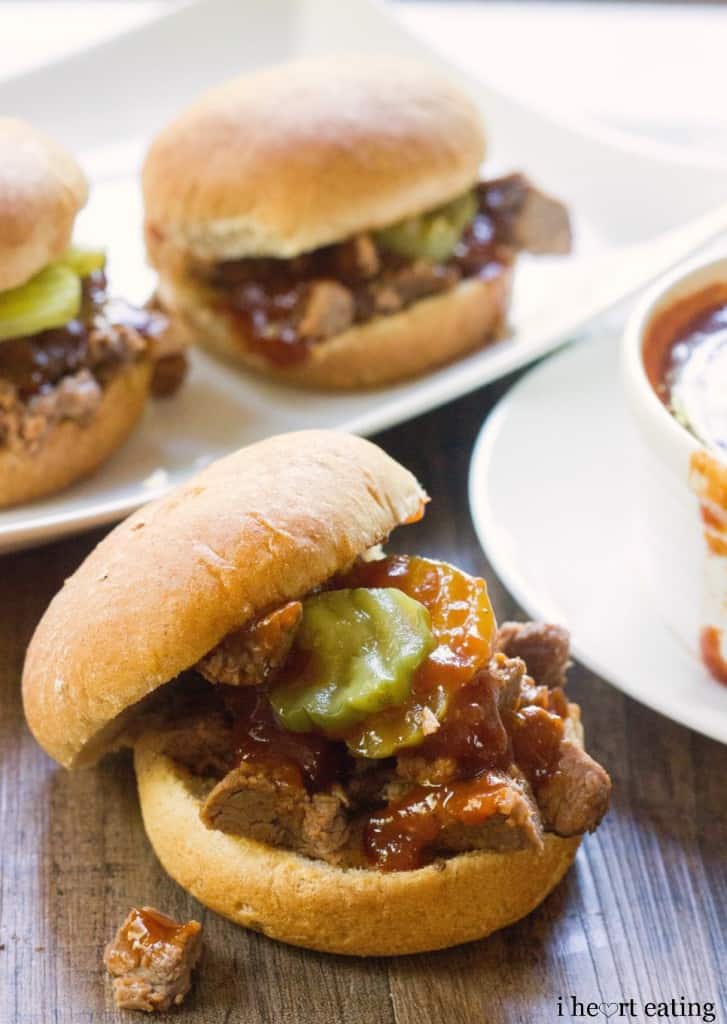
[152, 958]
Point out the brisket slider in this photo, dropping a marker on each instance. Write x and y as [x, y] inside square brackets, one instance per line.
[324, 222]
[333, 746]
[75, 366]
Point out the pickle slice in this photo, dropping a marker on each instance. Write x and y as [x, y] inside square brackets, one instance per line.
[360, 648]
[430, 236]
[50, 299]
[83, 261]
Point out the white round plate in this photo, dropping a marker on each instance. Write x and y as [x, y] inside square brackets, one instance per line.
[553, 486]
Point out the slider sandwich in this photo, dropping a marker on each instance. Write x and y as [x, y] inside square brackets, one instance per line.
[334, 746]
[325, 222]
[76, 366]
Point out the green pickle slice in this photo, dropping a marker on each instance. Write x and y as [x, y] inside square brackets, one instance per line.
[83, 261]
[50, 299]
[363, 647]
[430, 236]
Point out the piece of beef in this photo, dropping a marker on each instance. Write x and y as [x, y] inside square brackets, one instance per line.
[327, 309]
[516, 824]
[203, 743]
[425, 771]
[525, 217]
[247, 656]
[399, 287]
[542, 646]
[169, 373]
[267, 802]
[507, 674]
[356, 259]
[25, 423]
[152, 958]
[369, 781]
[575, 797]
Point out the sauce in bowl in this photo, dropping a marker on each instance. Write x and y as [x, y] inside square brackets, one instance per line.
[685, 358]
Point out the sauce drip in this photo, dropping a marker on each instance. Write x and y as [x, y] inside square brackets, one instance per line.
[397, 838]
[708, 480]
[314, 761]
[710, 641]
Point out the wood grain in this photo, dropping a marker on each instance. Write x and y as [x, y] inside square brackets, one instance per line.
[642, 915]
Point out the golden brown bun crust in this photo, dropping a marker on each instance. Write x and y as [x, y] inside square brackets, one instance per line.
[250, 531]
[428, 334]
[309, 903]
[71, 451]
[285, 160]
[42, 188]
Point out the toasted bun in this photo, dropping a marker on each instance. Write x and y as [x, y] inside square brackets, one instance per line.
[252, 530]
[429, 333]
[310, 903]
[70, 451]
[42, 188]
[285, 160]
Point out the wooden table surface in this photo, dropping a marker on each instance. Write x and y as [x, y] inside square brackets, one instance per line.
[642, 916]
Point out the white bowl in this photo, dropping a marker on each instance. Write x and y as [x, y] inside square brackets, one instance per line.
[687, 578]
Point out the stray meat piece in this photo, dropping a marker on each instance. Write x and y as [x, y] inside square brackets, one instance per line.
[152, 958]
[527, 218]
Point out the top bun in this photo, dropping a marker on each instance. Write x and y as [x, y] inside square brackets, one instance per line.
[285, 160]
[253, 530]
[42, 188]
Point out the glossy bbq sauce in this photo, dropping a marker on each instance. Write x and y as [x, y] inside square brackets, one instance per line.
[398, 838]
[147, 927]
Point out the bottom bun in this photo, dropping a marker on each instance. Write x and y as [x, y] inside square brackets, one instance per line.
[312, 904]
[70, 450]
[428, 334]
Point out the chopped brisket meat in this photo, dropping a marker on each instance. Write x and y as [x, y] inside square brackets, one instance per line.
[169, 373]
[246, 657]
[357, 259]
[327, 309]
[24, 424]
[401, 286]
[543, 647]
[516, 824]
[152, 958]
[574, 797]
[268, 802]
[426, 771]
[60, 374]
[203, 743]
